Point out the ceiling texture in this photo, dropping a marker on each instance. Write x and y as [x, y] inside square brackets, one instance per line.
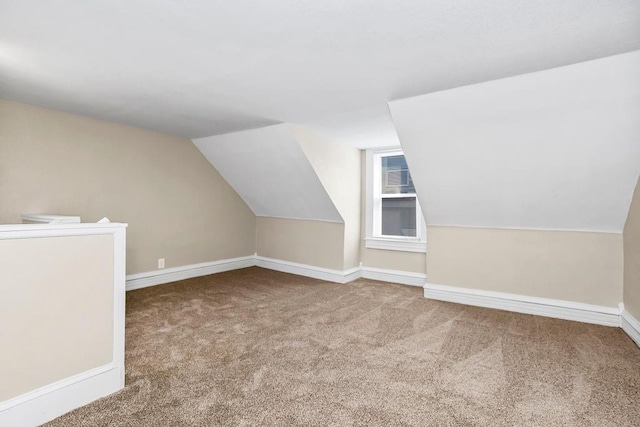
[198, 68]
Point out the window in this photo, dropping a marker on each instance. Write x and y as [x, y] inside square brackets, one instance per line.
[394, 218]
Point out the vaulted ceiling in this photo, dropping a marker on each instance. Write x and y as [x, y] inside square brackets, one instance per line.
[203, 67]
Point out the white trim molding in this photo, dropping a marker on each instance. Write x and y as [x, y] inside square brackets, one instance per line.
[393, 276]
[167, 275]
[404, 245]
[567, 310]
[51, 401]
[630, 325]
[330, 275]
[558, 309]
[158, 277]
[28, 231]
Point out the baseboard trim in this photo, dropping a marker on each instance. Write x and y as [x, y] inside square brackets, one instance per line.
[558, 309]
[393, 276]
[167, 275]
[51, 401]
[159, 277]
[630, 325]
[352, 274]
[330, 275]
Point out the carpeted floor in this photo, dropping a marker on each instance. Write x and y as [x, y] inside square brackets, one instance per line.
[257, 347]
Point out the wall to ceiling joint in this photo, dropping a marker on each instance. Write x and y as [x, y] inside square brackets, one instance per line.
[632, 257]
[338, 168]
[303, 187]
[553, 150]
[526, 182]
[177, 206]
[269, 170]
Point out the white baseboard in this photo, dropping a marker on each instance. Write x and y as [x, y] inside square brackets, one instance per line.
[559, 309]
[630, 325]
[502, 301]
[51, 401]
[158, 277]
[351, 274]
[393, 276]
[330, 275]
[167, 275]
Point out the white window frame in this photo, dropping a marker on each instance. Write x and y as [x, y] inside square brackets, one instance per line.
[374, 239]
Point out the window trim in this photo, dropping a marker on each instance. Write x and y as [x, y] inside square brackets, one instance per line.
[373, 206]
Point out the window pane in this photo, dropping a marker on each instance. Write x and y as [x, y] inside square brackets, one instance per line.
[399, 216]
[395, 176]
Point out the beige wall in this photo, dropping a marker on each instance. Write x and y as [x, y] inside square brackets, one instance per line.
[314, 243]
[394, 260]
[177, 206]
[377, 258]
[632, 257]
[571, 266]
[338, 168]
[56, 309]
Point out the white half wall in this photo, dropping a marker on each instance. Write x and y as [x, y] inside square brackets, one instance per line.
[62, 317]
[271, 173]
[556, 149]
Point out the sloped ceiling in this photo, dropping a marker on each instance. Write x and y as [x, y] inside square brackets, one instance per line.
[370, 127]
[557, 149]
[271, 173]
[198, 68]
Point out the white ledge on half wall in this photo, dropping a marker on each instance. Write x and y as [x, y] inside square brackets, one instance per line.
[547, 307]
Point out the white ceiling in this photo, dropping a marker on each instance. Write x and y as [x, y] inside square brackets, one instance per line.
[204, 67]
[370, 127]
[271, 173]
[557, 149]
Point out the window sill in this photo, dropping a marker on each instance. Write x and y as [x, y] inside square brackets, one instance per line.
[395, 245]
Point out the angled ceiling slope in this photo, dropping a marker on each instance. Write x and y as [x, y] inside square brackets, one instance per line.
[199, 68]
[271, 173]
[557, 149]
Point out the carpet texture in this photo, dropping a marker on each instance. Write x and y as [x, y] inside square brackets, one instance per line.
[255, 347]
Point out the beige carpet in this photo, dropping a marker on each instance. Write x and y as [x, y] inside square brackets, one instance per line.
[256, 347]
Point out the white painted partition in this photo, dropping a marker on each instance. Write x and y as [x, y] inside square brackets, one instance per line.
[62, 318]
